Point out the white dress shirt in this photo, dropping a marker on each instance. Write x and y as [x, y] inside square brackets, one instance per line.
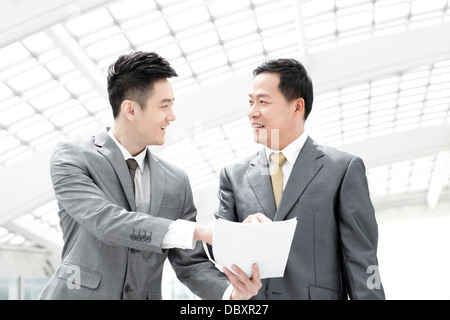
[291, 152]
[181, 232]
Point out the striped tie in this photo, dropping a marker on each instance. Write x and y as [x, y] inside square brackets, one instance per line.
[132, 165]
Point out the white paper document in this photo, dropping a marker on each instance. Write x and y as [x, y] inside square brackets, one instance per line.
[243, 244]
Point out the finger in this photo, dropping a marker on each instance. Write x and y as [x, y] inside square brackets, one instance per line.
[251, 219]
[256, 276]
[234, 280]
[262, 218]
[241, 275]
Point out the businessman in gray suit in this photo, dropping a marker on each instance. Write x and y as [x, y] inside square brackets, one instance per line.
[122, 210]
[334, 250]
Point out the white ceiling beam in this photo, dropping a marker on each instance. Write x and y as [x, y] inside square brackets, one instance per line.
[437, 179]
[36, 234]
[77, 55]
[365, 61]
[303, 40]
[401, 146]
[19, 19]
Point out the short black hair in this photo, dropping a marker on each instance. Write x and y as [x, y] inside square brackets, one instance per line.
[132, 77]
[294, 80]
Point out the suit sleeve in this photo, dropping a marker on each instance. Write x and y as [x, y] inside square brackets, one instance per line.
[358, 234]
[87, 204]
[192, 267]
[227, 202]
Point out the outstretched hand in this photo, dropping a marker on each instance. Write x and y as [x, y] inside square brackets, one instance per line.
[244, 287]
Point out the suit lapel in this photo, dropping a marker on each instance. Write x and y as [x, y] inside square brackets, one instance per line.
[107, 147]
[306, 166]
[157, 180]
[259, 178]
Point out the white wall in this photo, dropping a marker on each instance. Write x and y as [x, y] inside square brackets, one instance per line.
[414, 252]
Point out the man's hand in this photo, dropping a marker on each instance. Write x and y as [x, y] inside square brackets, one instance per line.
[244, 288]
[256, 218]
[203, 232]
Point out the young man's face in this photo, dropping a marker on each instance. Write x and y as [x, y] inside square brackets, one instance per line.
[274, 120]
[151, 121]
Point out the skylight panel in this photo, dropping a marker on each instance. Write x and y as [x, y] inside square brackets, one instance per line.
[281, 40]
[313, 8]
[36, 130]
[199, 42]
[275, 18]
[245, 51]
[60, 66]
[386, 11]
[225, 7]
[8, 142]
[5, 92]
[422, 6]
[209, 137]
[79, 86]
[12, 54]
[16, 113]
[29, 79]
[209, 63]
[68, 116]
[130, 8]
[320, 29]
[38, 42]
[19, 68]
[89, 22]
[354, 17]
[148, 32]
[50, 98]
[189, 18]
[107, 47]
[236, 30]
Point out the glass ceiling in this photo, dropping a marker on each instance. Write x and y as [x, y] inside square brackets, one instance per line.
[45, 98]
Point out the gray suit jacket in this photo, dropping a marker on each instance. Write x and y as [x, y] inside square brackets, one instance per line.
[336, 237]
[110, 250]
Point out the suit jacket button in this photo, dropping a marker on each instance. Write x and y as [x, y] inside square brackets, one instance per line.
[127, 288]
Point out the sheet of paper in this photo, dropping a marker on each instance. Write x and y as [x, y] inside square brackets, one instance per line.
[267, 244]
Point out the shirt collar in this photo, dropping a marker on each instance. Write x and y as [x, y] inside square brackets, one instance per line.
[292, 150]
[140, 158]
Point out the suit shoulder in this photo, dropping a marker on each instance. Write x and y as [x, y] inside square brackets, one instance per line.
[338, 156]
[76, 145]
[336, 153]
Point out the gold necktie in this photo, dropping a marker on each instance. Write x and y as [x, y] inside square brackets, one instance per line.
[276, 175]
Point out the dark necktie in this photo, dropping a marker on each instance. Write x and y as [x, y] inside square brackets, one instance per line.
[132, 165]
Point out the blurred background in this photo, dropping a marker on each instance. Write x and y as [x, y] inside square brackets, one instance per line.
[381, 74]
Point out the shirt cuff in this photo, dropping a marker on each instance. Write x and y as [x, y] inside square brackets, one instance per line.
[227, 293]
[179, 235]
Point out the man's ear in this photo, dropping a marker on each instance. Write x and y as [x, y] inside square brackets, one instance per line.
[299, 105]
[128, 109]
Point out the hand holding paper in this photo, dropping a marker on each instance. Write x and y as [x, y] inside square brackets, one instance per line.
[243, 244]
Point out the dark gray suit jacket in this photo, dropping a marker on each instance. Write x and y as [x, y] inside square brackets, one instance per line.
[113, 251]
[335, 244]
